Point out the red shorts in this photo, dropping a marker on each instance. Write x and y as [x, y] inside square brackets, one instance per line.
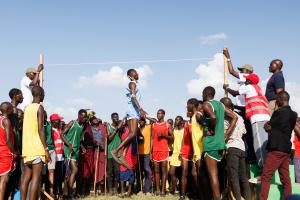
[188, 157]
[159, 156]
[7, 164]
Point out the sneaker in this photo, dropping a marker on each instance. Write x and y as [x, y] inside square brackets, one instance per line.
[148, 194]
[256, 180]
[182, 197]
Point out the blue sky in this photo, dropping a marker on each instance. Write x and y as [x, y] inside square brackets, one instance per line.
[105, 31]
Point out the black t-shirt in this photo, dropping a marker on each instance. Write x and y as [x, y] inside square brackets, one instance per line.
[283, 122]
[275, 82]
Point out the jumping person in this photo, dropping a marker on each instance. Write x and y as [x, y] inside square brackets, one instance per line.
[236, 163]
[71, 137]
[31, 79]
[279, 128]
[134, 113]
[7, 151]
[34, 147]
[213, 141]
[162, 132]
[175, 161]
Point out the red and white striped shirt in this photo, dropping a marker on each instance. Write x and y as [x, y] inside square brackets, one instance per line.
[58, 143]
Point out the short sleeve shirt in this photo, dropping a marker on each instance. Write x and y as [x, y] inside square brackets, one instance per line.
[26, 91]
[275, 82]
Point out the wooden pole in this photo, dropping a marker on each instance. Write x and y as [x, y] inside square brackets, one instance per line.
[225, 72]
[105, 164]
[96, 170]
[41, 78]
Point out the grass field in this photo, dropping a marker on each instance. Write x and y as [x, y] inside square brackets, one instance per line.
[134, 197]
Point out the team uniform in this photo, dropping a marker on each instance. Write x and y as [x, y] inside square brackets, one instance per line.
[50, 145]
[160, 146]
[178, 139]
[187, 148]
[32, 146]
[214, 145]
[6, 157]
[131, 159]
[73, 137]
[197, 136]
[132, 111]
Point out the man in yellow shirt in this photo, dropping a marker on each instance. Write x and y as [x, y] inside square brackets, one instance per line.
[144, 145]
[34, 150]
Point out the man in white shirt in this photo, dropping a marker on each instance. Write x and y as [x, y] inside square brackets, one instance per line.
[257, 111]
[31, 79]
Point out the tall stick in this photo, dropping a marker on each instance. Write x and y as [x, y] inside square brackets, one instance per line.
[139, 164]
[96, 170]
[225, 71]
[41, 78]
[105, 161]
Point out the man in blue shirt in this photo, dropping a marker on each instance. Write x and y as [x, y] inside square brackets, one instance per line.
[275, 85]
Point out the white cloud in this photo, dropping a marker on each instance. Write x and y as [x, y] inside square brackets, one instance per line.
[114, 77]
[68, 113]
[80, 101]
[210, 74]
[212, 38]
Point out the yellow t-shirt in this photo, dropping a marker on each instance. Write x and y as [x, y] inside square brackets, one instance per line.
[144, 148]
[32, 145]
[178, 136]
[197, 136]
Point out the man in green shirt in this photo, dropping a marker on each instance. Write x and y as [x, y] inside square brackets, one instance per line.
[114, 140]
[50, 145]
[214, 138]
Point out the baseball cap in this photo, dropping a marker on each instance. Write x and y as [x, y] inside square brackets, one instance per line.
[30, 70]
[253, 78]
[55, 117]
[247, 66]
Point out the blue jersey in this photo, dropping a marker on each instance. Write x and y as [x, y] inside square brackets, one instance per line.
[133, 111]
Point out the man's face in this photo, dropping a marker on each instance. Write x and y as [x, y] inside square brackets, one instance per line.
[30, 75]
[160, 115]
[279, 102]
[56, 123]
[135, 75]
[273, 66]
[19, 98]
[189, 108]
[246, 71]
[82, 118]
[115, 118]
[177, 121]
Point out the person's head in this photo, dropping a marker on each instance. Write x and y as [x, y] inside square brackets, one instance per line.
[132, 75]
[191, 105]
[246, 69]
[30, 73]
[142, 122]
[82, 116]
[252, 79]
[275, 66]
[178, 121]
[115, 118]
[282, 99]
[208, 93]
[227, 103]
[38, 93]
[6, 108]
[171, 122]
[161, 114]
[55, 120]
[94, 121]
[16, 95]
[62, 125]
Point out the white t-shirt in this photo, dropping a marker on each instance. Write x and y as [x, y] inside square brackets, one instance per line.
[240, 99]
[235, 139]
[249, 91]
[26, 90]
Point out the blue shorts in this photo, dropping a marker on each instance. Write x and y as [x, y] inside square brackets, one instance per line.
[133, 113]
[128, 175]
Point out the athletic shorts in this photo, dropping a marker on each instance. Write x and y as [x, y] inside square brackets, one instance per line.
[133, 113]
[7, 164]
[128, 175]
[216, 155]
[51, 165]
[187, 157]
[175, 161]
[196, 158]
[33, 160]
[160, 156]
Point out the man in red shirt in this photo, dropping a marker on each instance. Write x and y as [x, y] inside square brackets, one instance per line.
[297, 152]
[162, 132]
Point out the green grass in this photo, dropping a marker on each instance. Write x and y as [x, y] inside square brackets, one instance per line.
[134, 197]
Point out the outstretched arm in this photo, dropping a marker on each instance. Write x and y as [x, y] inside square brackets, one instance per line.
[230, 91]
[35, 80]
[230, 67]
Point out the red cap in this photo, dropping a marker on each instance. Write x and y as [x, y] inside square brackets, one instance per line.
[253, 78]
[55, 117]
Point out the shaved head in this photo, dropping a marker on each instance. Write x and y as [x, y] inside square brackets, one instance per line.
[6, 108]
[37, 91]
[227, 102]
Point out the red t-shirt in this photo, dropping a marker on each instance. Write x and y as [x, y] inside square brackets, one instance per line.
[4, 150]
[187, 148]
[131, 158]
[297, 146]
[160, 144]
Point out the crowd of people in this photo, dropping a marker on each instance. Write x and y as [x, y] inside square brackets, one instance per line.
[203, 155]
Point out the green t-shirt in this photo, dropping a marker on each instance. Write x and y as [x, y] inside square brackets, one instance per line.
[114, 143]
[73, 136]
[216, 141]
[48, 133]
